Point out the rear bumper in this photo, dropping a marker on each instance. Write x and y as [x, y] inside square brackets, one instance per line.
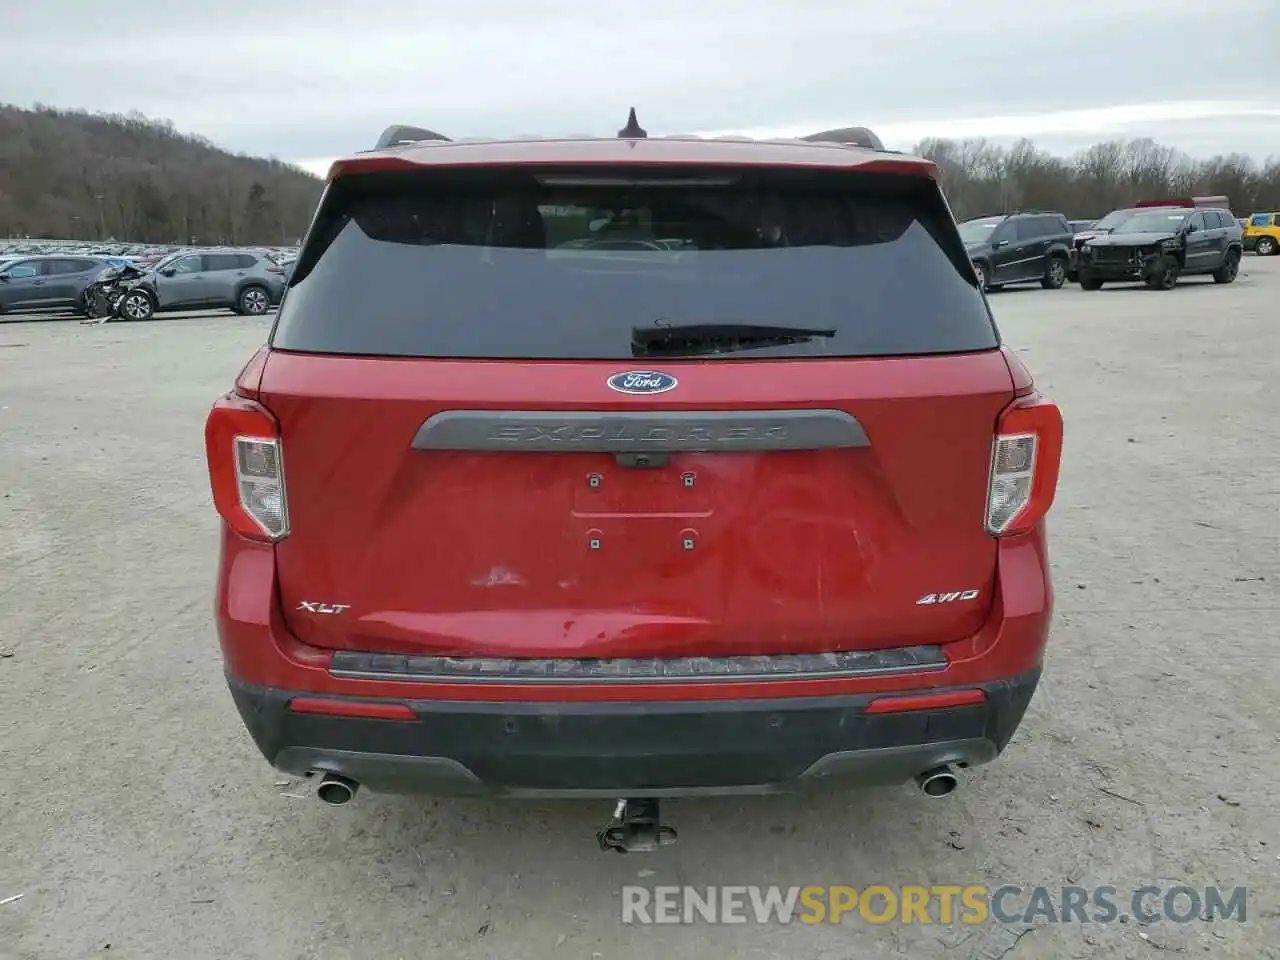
[576, 736]
[612, 749]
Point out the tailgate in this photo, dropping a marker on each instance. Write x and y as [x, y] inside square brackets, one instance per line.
[525, 509]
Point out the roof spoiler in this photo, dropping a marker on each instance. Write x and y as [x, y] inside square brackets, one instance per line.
[849, 137]
[864, 137]
[399, 134]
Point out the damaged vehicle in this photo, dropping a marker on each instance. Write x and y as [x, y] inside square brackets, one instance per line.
[630, 468]
[102, 298]
[1096, 228]
[1160, 245]
[237, 280]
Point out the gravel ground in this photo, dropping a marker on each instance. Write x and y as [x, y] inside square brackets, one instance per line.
[143, 823]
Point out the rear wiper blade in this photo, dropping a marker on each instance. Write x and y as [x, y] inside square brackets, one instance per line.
[721, 336]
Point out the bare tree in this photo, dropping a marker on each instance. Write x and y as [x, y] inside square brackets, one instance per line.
[980, 178]
[132, 178]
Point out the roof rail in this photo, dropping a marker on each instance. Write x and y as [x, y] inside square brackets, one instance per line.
[849, 137]
[395, 135]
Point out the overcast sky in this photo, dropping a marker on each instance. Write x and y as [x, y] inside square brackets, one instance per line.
[306, 80]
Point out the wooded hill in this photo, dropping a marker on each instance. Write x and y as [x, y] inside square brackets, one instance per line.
[983, 178]
[78, 176]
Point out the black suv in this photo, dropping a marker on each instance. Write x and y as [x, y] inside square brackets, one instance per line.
[1019, 248]
[1157, 245]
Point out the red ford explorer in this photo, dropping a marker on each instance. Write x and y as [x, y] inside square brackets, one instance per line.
[632, 468]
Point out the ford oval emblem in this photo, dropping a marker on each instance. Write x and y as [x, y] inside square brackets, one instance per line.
[642, 382]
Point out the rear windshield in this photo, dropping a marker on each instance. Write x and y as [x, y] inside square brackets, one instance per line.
[1153, 222]
[571, 264]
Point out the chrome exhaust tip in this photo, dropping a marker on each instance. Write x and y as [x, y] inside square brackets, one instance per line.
[336, 789]
[938, 782]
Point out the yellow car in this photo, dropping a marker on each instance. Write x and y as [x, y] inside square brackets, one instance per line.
[1262, 233]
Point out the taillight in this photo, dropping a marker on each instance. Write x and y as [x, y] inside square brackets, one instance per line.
[242, 442]
[1025, 459]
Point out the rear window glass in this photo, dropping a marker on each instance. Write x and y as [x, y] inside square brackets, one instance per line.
[1153, 222]
[576, 264]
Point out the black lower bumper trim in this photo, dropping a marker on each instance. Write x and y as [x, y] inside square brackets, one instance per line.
[636, 749]
[1120, 273]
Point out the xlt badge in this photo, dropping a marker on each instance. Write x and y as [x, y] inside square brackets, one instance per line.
[313, 606]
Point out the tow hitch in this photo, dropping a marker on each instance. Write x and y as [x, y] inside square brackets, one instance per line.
[635, 828]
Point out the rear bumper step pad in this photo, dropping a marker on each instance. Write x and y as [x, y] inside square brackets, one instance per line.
[799, 666]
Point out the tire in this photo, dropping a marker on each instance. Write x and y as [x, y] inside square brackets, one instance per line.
[1167, 278]
[1056, 275]
[1089, 283]
[981, 273]
[1266, 247]
[253, 301]
[1230, 268]
[137, 305]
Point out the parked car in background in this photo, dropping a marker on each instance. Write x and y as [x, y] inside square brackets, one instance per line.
[1099, 228]
[1079, 226]
[1019, 248]
[44, 283]
[1197, 203]
[1262, 234]
[1157, 245]
[247, 283]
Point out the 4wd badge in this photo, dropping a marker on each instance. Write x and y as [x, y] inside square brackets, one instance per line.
[929, 598]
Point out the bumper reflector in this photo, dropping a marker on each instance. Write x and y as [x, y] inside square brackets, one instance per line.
[926, 701]
[352, 708]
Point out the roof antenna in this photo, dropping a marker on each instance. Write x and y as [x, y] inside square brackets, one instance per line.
[633, 130]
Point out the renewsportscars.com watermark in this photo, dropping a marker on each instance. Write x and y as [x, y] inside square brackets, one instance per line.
[938, 903]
